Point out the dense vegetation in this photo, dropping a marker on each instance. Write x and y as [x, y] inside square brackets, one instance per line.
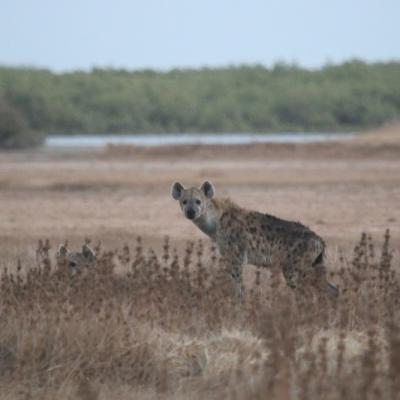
[351, 96]
[142, 325]
[14, 131]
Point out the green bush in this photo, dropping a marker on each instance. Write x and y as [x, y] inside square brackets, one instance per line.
[14, 131]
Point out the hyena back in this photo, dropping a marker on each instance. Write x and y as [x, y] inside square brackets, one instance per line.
[250, 237]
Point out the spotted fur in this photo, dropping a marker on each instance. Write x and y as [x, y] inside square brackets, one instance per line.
[250, 237]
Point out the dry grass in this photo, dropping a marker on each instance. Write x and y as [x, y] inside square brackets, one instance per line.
[115, 199]
[147, 324]
[388, 134]
[141, 324]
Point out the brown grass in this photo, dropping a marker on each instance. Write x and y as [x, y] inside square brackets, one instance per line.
[160, 323]
[388, 134]
[147, 325]
[114, 197]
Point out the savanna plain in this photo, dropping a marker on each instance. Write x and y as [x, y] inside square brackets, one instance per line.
[154, 317]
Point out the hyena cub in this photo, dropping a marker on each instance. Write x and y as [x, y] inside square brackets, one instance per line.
[250, 237]
[76, 261]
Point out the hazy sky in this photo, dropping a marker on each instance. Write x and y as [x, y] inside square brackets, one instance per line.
[162, 34]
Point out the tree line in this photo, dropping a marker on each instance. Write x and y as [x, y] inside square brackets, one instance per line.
[351, 96]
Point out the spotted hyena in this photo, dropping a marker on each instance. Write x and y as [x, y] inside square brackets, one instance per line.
[250, 237]
[76, 261]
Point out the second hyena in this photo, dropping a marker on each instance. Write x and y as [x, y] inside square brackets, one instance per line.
[76, 261]
[250, 237]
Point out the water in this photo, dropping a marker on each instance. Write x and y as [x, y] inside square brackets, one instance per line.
[164, 139]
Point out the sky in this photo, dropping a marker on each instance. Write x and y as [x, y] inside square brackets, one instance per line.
[65, 35]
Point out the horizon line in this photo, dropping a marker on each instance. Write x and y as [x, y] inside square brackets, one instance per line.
[226, 66]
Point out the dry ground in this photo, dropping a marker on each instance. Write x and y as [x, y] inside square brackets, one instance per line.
[338, 189]
[145, 326]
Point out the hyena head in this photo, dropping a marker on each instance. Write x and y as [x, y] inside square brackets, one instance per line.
[193, 200]
[76, 259]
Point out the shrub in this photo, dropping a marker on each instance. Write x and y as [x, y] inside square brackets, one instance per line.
[14, 131]
[147, 325]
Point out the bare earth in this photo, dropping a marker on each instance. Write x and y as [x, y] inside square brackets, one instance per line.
[338, 189]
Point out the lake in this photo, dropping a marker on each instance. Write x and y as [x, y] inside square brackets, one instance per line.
[167, 139]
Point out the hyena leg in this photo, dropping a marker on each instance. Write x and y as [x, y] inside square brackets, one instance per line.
[293, 275]
[235, 267]
[237, 276]
[299, 275]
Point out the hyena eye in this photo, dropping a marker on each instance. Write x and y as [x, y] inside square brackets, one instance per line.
[198, 202]
[184, 202]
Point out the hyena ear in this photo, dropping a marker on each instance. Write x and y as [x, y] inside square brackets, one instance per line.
[208, 189]
[176, 190]
[62, 250]
[88, 253]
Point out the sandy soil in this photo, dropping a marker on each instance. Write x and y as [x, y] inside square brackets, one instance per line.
[338, 189]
